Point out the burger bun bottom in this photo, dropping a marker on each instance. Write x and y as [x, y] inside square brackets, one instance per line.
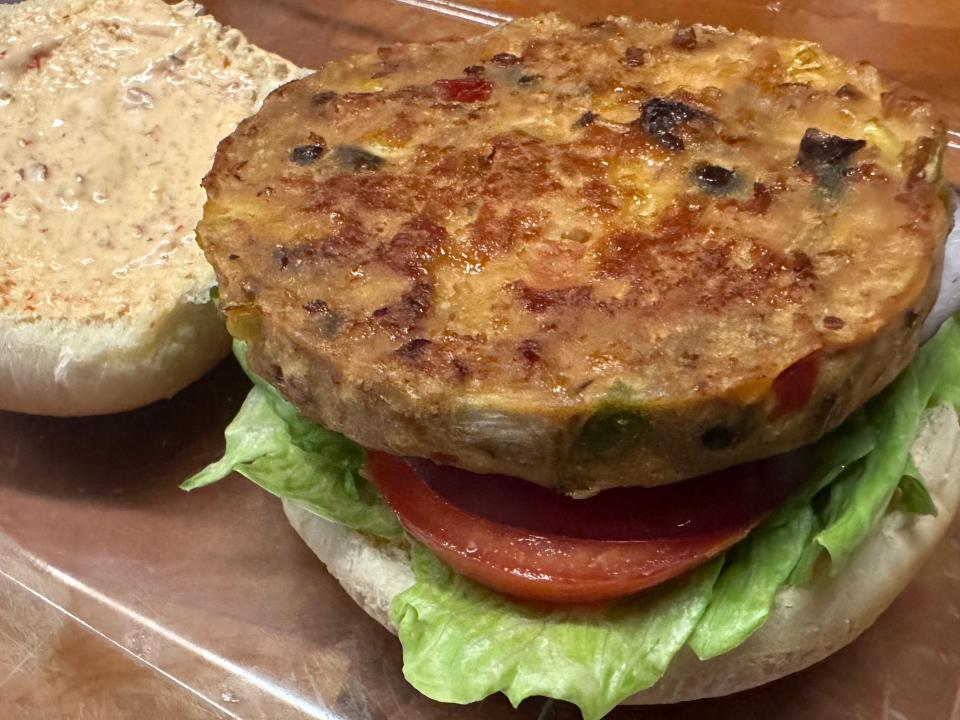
[806, 623]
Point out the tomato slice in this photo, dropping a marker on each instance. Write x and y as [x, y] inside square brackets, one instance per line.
[533, 543]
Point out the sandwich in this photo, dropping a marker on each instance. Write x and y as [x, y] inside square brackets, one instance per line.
[110, 113]
[588, 358]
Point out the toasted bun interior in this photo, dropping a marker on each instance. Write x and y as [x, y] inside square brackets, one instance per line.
[806, 625]
[104, 294]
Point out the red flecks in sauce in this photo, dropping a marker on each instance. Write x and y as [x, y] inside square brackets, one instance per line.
[120, 231]
[794, 386]
[464, 89]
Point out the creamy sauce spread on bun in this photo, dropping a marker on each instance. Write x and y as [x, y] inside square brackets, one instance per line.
[110, 113]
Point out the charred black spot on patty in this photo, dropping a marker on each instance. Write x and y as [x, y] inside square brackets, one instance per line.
[661, 117]
[634, 57]
[684, 38]
[505, 59]
[316, 306]
[414, 348]
[327, 320]
[824, 154]
[322, 98]
[849, 92]
[306, 154]
[586, 119]
[719, 437]
[714, 178]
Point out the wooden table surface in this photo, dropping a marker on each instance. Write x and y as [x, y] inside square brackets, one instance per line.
[53, 667]
[178, 606]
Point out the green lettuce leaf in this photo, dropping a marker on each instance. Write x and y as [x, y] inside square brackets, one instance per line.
[860, 503]
[756, 569]
[938, 365]
[808, 562]
[462, 642]
[269, 443]
[779, 551]
[895, 415]
[914, 497]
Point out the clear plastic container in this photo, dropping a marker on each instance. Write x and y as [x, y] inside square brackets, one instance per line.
[217, 599]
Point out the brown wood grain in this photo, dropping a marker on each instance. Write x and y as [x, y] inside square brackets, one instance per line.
[51, 666]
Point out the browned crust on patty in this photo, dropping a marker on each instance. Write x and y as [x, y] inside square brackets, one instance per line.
[586, 256]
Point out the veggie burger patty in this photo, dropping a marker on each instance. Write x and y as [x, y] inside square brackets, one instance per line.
[617, 254]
